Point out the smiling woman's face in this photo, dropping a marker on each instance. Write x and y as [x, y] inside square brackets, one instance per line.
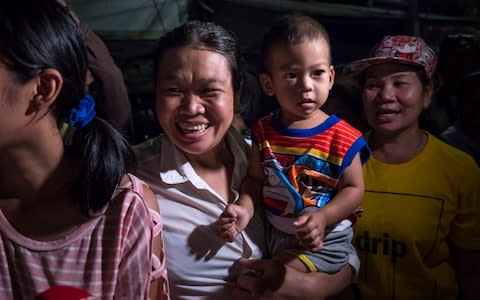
[393, 97]
[194, 98]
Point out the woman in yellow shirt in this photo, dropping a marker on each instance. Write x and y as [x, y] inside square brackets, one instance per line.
[419, 237]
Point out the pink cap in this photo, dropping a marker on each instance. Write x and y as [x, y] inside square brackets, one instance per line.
[403, 49]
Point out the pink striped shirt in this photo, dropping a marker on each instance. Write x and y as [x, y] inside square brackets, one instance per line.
[109, 256]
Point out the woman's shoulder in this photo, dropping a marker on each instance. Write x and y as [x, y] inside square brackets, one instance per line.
[130, 192]
[148, 149]
[453, 162]
[152, 158]
[450, 154]
[132, 183]
[134, 219]
[135, 191]
[238, 140]
[133, 204]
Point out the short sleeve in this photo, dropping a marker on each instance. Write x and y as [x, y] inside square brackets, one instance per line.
[134, 264]
[139, 265]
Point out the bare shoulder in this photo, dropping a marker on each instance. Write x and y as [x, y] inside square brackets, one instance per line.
[150, 198]
[148, 195]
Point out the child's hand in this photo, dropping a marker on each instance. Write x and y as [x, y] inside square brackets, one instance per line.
[310, 228]
[232, 221]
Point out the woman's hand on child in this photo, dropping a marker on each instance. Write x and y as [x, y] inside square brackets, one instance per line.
[310, 229]
[262, 281]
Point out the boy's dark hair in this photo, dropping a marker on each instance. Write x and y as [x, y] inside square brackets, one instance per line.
[41, 34]
[292, 30]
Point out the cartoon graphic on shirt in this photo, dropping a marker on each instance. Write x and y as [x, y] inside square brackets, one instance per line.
[297, 182]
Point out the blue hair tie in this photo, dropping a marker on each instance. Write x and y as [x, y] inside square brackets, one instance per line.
[81, 116]
[78, 118]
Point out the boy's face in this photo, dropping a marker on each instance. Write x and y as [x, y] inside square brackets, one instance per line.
[300, 76]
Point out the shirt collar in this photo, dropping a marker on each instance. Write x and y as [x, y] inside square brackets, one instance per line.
[176, 169]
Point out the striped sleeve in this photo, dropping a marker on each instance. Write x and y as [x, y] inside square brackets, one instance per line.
[135, 266]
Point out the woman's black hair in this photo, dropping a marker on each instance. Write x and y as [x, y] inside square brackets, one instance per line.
[39, 34]
[204, 35]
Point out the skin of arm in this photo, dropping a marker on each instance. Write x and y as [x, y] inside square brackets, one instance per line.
[237, 215]
[311, 225]
[466, 264]
[269, 279]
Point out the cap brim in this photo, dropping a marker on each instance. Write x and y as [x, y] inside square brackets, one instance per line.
[357, 67]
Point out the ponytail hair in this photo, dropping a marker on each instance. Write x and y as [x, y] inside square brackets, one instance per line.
[105, 157]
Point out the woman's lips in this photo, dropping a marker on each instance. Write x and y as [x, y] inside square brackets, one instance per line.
[193, 132]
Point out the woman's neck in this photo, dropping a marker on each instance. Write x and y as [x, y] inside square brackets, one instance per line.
[36, 189]
[213, 159]
[26, 169]
[398, 147]
[216, 169]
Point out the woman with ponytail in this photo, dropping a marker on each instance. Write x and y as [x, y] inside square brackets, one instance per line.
[70, 214]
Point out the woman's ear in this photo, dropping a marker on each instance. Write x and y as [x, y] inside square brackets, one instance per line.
[266, 83]
[48, 86]
[428, 95]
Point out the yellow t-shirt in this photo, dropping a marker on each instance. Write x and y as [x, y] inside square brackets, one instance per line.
[411, 212]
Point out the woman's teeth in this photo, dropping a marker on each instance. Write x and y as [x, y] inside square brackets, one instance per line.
[199, 127]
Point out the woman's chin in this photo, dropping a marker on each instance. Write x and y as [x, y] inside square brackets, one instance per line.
[384, 124]
[196, 143]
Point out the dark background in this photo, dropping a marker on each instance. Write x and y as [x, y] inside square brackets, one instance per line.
[354, 26]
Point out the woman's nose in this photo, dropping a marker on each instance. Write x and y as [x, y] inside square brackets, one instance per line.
[193, 104]
[387, 92]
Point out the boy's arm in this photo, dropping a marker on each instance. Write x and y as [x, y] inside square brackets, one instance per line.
[236, 216]
[310, 226]
[251, 188]
[350, 193]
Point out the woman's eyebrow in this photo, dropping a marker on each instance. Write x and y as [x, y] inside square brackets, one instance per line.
[212, 80]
